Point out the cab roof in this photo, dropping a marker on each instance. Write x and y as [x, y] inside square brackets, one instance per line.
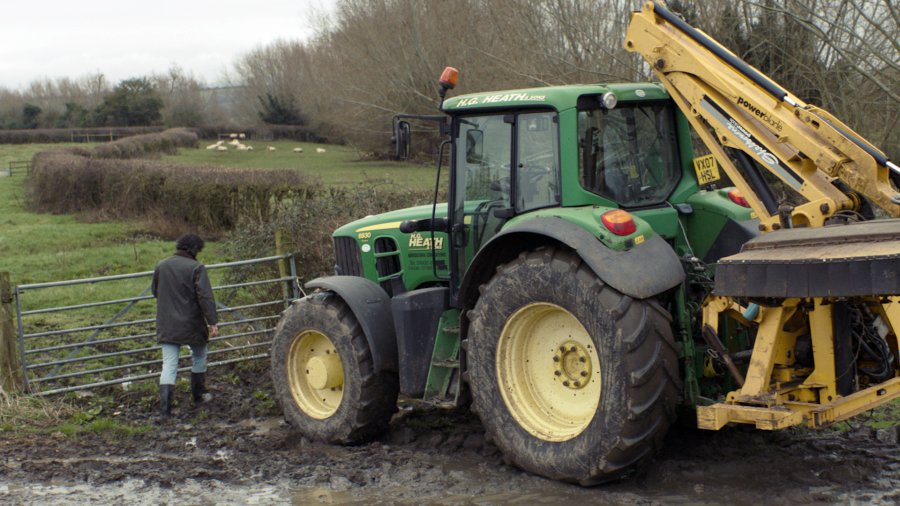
[556, 97]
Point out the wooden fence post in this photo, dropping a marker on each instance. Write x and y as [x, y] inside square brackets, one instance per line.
[282, 263]
[10, 374]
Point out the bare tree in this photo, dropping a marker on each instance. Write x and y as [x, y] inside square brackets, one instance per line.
[185, 101]
[272, 79]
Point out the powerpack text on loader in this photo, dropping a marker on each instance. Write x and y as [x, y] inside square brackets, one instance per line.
[589, 277]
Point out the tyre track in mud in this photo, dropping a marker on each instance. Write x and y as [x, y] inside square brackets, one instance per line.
[228, 453]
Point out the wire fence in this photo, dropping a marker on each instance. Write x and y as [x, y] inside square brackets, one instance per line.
[87, 333]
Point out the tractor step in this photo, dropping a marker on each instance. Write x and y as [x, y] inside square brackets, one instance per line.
[447, 364]
[443, 375]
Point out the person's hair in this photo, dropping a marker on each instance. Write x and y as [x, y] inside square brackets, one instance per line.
[191, 243]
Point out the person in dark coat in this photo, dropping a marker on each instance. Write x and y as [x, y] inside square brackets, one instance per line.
[185, 315]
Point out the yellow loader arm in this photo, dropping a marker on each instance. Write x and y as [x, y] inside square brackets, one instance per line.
[732, 105]
[822, 293]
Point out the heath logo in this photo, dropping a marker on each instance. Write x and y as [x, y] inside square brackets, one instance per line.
[501, 97]
[419, 241]
[759, 113]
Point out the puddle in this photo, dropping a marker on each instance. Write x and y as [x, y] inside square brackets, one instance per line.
[321, 495]
[261, 426]
[136, 492]
[235, 456]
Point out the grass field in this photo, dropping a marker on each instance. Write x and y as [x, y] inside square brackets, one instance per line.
[42, 247]
[37, 248]
[338, 165]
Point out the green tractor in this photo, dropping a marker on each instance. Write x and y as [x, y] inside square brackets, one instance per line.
[589, 278]
[552, 289]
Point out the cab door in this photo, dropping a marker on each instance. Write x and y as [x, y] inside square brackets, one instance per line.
[504, 164]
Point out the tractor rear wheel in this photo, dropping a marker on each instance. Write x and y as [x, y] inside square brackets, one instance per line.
[323, 373]
[572, 380]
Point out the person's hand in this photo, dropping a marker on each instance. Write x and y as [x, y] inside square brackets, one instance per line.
[213, 330]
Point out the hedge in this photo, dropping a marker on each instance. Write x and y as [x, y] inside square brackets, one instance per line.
[307, 222]
[54, 135]
[155, 144]
[110, 181]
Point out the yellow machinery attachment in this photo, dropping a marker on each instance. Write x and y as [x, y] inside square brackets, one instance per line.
[778, 392]
[732, 105]
[815, 286]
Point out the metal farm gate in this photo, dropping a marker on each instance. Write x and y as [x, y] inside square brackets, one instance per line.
[105, 334]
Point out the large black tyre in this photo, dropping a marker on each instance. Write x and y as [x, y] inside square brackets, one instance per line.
[323, 373]
[572, 380]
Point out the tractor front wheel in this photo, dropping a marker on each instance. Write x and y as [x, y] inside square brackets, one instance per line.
[572, 380]
[323, 373]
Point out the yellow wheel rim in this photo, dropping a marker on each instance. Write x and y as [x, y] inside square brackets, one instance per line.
[548, 372]
[315, 374]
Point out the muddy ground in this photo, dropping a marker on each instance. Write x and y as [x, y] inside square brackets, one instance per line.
[236, 450]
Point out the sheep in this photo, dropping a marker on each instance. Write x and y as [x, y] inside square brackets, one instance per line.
[233, 136]
[320, 150]
[242, 136]
[270, 148]
[249, 148]
[221, 148]
[235, 142]
[298, 150]
[214, 146]
[244, 147]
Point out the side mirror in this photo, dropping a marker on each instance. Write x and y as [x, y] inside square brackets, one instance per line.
[474, 146]
[401, 140]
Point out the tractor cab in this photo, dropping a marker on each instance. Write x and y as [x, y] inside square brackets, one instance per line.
[505, 164]
[576, 164]
[566, 151]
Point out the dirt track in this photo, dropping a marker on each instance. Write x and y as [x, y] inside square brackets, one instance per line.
[227, 453]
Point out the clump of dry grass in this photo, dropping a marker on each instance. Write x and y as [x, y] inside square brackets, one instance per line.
[19, 411]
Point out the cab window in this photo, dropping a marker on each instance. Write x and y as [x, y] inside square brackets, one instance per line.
[628, 154]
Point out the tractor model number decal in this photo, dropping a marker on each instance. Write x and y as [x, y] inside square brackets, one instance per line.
[419, 241]
[707, 169]
[501, 97]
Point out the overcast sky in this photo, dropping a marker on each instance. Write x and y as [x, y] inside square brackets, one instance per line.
[127, 38]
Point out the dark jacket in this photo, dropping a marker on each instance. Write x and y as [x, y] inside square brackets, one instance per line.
[184, 301]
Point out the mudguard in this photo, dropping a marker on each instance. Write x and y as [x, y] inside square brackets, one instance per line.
[371, 306]
[640, 272]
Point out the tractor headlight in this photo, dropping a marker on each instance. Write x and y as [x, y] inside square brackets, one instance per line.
[609, 100]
